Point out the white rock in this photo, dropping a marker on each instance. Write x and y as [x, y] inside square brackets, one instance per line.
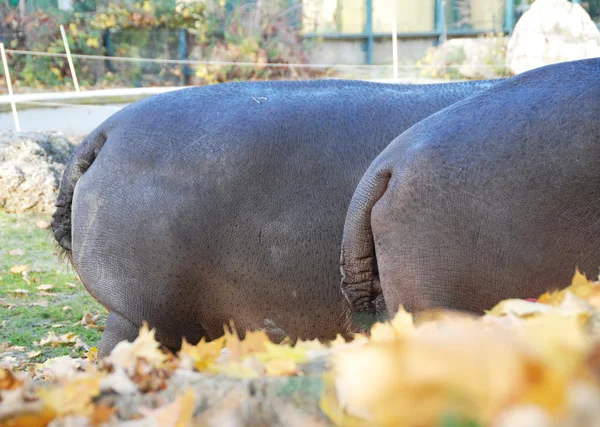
[471, 58]
[31, 165]
[552, 31]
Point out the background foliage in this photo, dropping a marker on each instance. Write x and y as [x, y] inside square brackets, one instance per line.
[263, 32]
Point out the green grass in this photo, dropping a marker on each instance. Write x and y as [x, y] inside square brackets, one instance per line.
[26, 322]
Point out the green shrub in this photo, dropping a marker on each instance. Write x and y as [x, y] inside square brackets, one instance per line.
[151, 30]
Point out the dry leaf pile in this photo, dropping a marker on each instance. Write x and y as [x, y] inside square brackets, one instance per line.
[525, 363]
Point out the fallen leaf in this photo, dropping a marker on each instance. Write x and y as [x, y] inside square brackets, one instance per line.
[573, 305]
[44, 294]
[63, 368]
[176, 414]
[101, 414]
[55, 340]
[33, 354]
[519, 308]
[281, 368]
[148, 378]
[89, 319]
[26, 277]
[249, 368]
[80, 344]
[463, 368]
[281, 360]
[41, 418]
[16, 252]
[42, 224]
[145, 346]
[253, 342]
[6, 347]
[6, 304]
[580, 286]
[202, 355]
[71, 285]
[401, 325]
[8, 381]
[92, 354]
[119, 382]
[45, 288]
[72, 398]
[40, 303]
[18, 269]
[20, 292]
[67, 308]
[331, 407]
[19, 409]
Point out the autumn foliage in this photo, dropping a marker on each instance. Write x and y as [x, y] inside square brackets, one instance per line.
[266, 33]
[524, 363]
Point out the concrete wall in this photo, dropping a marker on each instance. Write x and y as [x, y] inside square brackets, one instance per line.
[345, 51]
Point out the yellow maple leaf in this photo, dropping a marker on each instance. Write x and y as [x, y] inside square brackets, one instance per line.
[92, 354]
[204, 354]
[101, 415]
[145, 346]
[580, 286]
[72, 398]
[253, 342]
[519, 307]
[281, 368]
[560, 346]
[281, 352]
[8, 381]
[235, 369]
[339, 341]
[92, 42]
[55, 340]
[179, 413]
[38, 419]
[330, 406]
[464, 368]
[400, 326]
[560, 340]
[73, 29]
[45, 288]
[18, 269]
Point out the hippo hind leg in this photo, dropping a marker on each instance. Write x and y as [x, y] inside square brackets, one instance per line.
[117, 329]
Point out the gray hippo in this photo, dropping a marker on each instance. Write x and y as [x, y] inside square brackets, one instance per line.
[494, 197]
[227, 202]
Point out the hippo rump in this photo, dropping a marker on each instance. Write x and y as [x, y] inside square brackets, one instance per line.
[494, 197]
[227, 202]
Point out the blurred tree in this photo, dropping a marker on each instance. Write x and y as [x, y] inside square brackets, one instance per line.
[84, 6]
[594, 9]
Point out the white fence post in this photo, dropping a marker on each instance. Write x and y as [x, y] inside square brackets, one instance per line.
[10, 91]
[69, 59]
[395, 46]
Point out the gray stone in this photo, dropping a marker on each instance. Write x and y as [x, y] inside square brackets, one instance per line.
[31, 165]
[552, 31]
[471, 58]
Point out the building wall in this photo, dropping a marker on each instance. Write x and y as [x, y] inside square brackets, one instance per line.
[348, 51]
[349, 16]
[411, 15]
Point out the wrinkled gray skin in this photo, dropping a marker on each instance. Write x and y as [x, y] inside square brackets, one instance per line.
[495, 197]
[195, 207]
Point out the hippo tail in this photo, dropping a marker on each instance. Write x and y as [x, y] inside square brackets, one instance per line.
[82, 158]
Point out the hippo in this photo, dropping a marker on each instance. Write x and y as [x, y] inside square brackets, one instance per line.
[224, 203]
[494, 197]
